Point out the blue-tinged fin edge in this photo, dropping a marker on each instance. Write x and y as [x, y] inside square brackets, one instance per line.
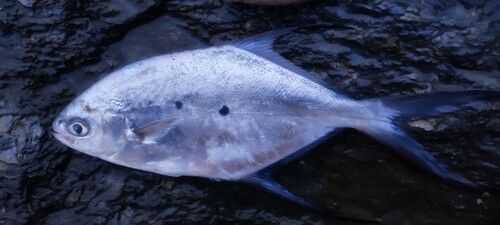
[428, 104]
[411, 150]
[263, 180]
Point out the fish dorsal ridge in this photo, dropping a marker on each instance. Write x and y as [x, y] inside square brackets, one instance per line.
[262, 46]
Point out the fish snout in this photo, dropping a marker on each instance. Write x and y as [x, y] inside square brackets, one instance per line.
[58, 132]
[56, 126]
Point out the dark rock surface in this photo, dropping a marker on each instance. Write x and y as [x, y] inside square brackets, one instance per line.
[50, 51]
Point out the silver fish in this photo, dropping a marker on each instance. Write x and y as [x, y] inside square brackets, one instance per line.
[229, 112]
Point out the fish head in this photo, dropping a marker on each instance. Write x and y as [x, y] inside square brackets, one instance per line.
[89, 129]
[106, 129]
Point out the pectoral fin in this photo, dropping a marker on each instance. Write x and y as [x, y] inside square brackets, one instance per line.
[153, 132]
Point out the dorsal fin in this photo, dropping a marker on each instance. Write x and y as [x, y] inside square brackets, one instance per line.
[262, 46]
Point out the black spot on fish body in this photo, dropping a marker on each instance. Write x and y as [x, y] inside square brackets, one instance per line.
[178, 104]
[224, 110]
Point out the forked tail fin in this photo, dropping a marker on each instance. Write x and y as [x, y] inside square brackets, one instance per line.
[400, 108]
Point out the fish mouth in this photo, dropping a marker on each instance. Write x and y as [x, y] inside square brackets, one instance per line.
[54, 130]
[61, 137]
[57, 135]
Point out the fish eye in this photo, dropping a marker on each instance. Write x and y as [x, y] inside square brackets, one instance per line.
[78, 127]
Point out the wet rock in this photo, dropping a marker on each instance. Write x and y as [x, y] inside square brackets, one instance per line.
[6, 123]
[427, 125]
[9, 150]
[38, 39]
[270, 2]
[21, 137]
[51, 52]
[27, 3]
[159, 36]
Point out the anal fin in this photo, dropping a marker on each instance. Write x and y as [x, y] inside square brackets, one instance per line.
[263, 180]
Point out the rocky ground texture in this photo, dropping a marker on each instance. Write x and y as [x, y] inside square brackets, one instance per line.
[50, 51]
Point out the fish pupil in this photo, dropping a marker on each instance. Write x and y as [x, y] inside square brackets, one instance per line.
[178, 104]
[224, 110]
[77, 128]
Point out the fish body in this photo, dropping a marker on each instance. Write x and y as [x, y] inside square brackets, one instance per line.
[229, 112]
[271, 113]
